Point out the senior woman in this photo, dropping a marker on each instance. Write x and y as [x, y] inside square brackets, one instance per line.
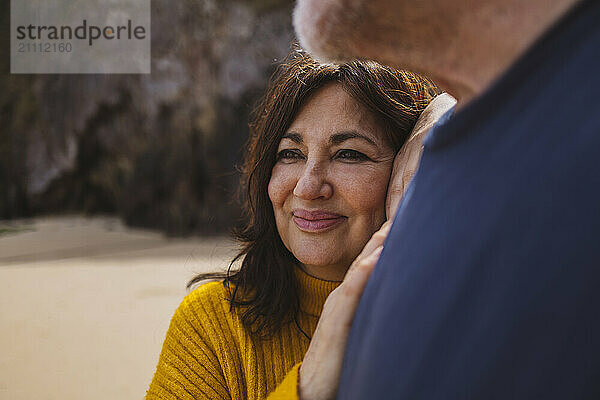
[316, 173]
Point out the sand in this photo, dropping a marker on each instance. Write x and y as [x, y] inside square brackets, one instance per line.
[85, 304]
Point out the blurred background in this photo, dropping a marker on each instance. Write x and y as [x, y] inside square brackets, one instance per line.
[116, 189]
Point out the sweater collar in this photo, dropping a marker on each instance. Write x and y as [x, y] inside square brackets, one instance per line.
[313, 291]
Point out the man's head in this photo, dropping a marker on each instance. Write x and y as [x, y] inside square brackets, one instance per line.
[461, 44]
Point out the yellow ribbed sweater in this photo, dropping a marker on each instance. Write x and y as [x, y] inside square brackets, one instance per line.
[207, 353]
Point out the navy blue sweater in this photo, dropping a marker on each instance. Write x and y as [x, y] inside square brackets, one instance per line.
[489, 283]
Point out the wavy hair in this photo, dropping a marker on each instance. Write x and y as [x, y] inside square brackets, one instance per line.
[263, 289]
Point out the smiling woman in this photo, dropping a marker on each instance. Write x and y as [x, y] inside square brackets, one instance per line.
[316, 174]
[329, 183]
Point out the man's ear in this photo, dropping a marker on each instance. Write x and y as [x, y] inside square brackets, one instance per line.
[408, 158]
[324, 27]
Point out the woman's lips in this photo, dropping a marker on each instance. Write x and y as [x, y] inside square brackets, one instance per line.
[314, 221]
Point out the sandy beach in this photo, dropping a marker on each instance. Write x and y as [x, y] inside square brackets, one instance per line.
[85, 304]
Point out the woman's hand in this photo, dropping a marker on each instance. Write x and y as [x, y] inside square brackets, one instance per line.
[408, 158]
[405, 166]
[322, 365]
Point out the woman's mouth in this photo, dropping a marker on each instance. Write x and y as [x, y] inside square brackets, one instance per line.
[316, 221]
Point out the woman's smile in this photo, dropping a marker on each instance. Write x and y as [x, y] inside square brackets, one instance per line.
[329, 182]
[316, 221]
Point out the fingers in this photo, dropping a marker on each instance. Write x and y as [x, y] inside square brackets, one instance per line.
[374, 244]
[321, 368]
[355, 283]
[338, 311]
[376, 240]
[406, 164]
[396, 191]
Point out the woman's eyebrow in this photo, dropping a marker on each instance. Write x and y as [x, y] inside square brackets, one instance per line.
[294, 137]
[334, 139]
[343, 136]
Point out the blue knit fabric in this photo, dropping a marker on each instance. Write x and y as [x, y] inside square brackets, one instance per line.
[489, 283]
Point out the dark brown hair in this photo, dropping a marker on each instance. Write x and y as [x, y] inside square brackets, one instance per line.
[263, 290]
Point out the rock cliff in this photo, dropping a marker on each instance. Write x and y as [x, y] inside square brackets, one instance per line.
[159, 150]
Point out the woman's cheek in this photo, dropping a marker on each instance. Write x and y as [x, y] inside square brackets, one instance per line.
[365, 190]
[366, 181]
[279, 184]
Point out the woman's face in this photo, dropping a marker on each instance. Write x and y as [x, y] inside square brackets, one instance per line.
[329, 183]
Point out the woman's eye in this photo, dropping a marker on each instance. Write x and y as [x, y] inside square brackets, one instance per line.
[289, 155]
[350, 155]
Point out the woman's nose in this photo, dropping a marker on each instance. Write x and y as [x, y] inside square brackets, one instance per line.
[313, 183]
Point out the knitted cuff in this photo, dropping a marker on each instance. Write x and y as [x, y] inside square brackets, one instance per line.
[288, 388]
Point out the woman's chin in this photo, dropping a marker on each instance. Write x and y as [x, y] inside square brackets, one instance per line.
[313, 258]
[318, 264]
[325, 268]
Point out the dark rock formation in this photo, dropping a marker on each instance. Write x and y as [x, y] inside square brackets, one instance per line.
[159, 150]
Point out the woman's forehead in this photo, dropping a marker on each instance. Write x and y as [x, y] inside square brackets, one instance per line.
[332, 112]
